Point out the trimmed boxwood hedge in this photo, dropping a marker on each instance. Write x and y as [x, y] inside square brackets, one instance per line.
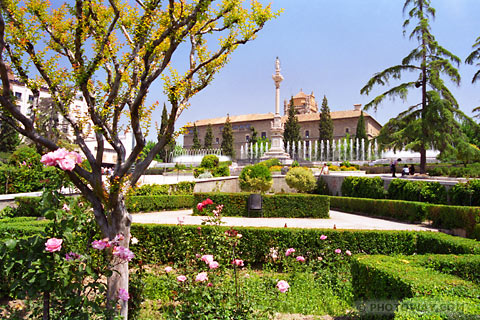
[438, 308]
[363, 187]
[158, 203]
[396, 209]
[380, 278]
[21, 227]
[279, 205]
[442, 216]
[162, 243]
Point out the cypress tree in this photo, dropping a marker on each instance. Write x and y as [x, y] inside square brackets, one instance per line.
[227, 139]
[361, 133]
[291, 134]
[208, 137]
[325, 127]
[196, 142]
[163, 126]
[432, 60]
[254, 138]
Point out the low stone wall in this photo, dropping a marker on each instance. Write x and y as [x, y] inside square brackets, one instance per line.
[231, 184]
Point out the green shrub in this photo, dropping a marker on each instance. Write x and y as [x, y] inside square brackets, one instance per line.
[271, 162]
[198, 171]
[221, 171]
[28, 206]
[295, 164]
[301, 179]
[280, 205]
[255, 178]
[7, 212]
[362, 187]
[322, 187]
[465, 194]
[209, 161]
[158, 203]
[432, 192]
[441, 243]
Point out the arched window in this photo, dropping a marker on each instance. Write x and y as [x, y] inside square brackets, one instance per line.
[307, 134]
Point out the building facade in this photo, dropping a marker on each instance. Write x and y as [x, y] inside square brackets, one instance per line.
[344, 123]
[24, 99]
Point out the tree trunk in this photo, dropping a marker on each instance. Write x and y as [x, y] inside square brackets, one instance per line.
[423, 160]
[120, 224]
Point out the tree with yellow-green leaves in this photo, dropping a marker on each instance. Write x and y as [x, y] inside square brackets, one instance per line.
[111, 53]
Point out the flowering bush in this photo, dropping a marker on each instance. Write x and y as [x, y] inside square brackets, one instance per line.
[206, 280]
[62, 271]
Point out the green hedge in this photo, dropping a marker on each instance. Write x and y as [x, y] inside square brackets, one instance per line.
[422, 191]
[28, 206]
[442, 216]
[162, 243]
[363, 187]
[21, 227]
[438, 308]
[396, 209]
[380, 277]
[181, 188]
[158, 203]
[279, 205]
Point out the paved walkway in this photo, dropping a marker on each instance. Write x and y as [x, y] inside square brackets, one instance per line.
[339, 220]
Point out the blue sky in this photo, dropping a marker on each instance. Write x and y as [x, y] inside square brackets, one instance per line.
[333, 48]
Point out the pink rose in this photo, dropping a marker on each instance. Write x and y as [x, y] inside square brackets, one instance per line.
[238, 262]
[338, 251]
[200, 206]
[289, 252]
[348, 253]
[66, 207]
[66, 164]
[300, 259]
[210, 284]
[207, 258]
[168, 269]
[207, 202]
[123, 253]
[201, 277]
[53, 244]
[100, 244]
[282, 286]
[213, 265]
[181, 278]
[323, 237]
[123, 294]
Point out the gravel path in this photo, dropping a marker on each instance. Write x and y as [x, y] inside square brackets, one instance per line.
[338, 220]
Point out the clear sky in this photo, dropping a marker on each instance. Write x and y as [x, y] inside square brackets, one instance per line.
[333, 48]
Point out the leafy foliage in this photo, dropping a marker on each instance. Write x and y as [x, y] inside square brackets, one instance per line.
[301, 179]
[432, 192]
[363, 187]
[255, 178]
[209, 161]
[9, 136]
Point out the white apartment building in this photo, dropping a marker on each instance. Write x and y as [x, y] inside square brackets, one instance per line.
[79, 107]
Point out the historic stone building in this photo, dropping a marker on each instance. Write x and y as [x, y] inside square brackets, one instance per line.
[344, 122]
